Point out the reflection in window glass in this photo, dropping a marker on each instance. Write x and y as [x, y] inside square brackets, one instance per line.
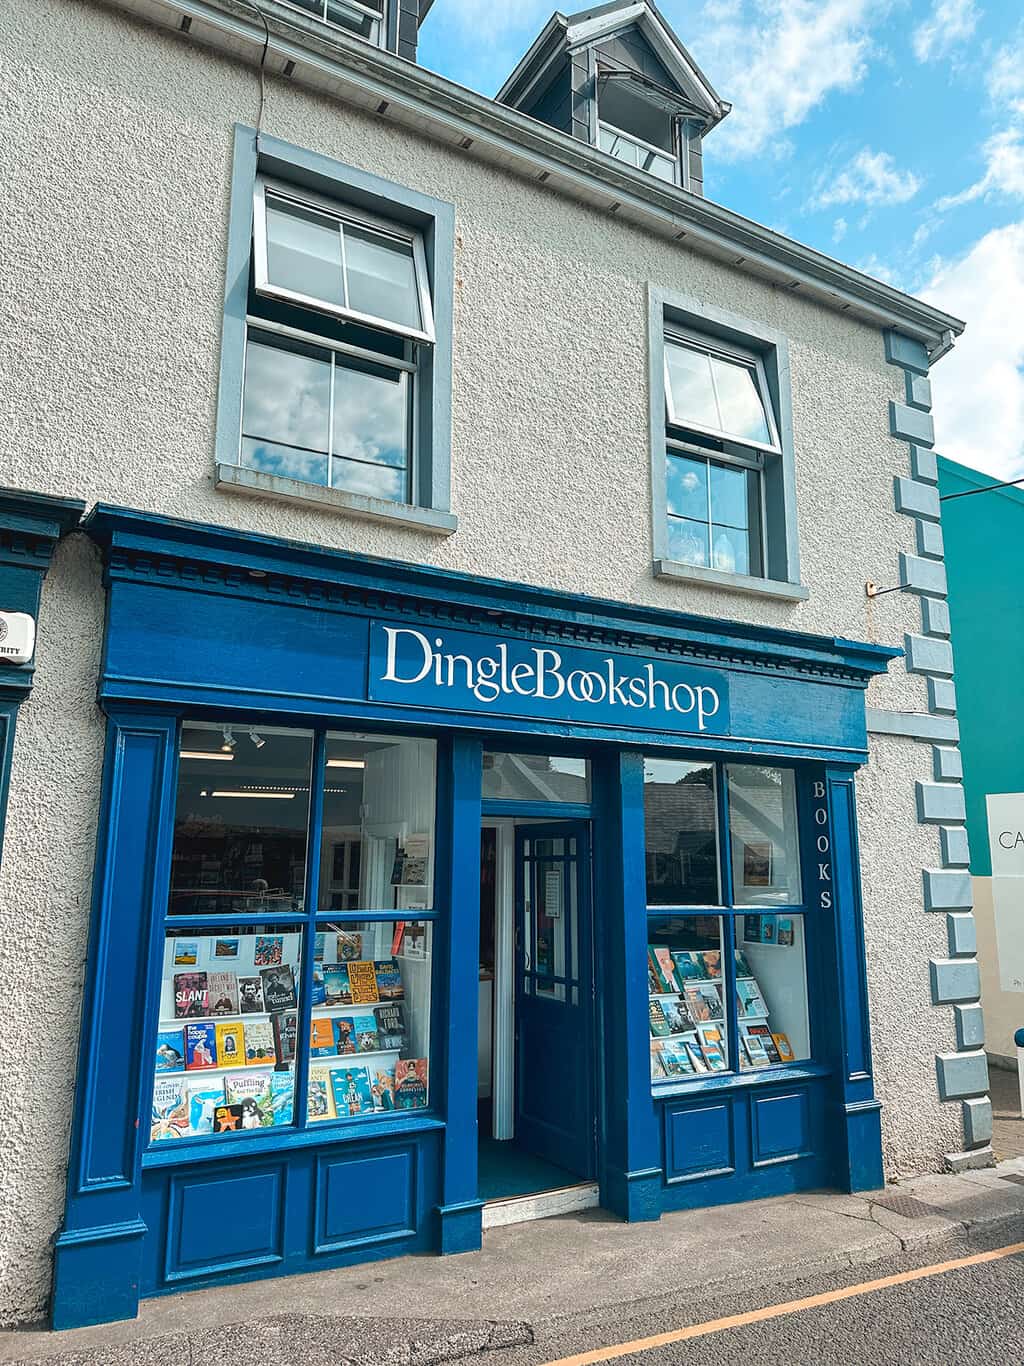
[371, 430]
[286, 408]
[714, 394]
[681, 820]
[764, 839]
[535, 778]
[690, 389]
[377, 848]
[304, 251]
[225, 1048]
[771, 990]
[381, 275]
[370, 1027]
[240, 820]
[741, 412]
[687, 1005]
[713, 514]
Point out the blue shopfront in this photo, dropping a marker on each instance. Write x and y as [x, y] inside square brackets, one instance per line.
[419, 893]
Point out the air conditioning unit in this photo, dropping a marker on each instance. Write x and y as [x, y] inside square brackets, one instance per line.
[17, 637]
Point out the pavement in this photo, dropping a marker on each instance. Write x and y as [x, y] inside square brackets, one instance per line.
[534, 1287]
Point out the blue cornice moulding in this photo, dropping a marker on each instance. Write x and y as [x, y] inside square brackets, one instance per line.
[31, 524]
[145, 546]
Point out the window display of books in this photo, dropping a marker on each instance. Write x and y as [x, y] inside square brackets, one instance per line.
[358, 1037]
[688, 1015]
[225, 1048]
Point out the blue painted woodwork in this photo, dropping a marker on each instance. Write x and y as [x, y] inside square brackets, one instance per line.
[31, 524]
[555, 1116]
[203, 620]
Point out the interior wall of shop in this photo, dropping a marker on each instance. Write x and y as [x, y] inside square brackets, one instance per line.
[118, 139]
[984, 539]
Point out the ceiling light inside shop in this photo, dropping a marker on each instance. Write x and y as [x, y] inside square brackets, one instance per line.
[257, 796]
[206, 754]
[346, 763]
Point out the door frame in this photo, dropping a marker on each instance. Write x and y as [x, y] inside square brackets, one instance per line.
[582, 827]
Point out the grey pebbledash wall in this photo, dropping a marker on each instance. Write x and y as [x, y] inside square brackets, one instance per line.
[962, 1074]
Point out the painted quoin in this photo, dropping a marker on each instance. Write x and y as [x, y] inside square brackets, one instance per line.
[458, 741]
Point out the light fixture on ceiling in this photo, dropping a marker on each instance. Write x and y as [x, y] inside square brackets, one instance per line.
[206, 754]
[257, 740]
[256, 796]
[346, 763]
[229, 740]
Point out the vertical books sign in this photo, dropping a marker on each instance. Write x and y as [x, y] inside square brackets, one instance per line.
[467, 672]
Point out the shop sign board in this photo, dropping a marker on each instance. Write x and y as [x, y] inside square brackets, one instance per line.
[1006, 843]
[466, 671]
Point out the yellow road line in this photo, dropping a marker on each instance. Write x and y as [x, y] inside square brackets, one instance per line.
[775, 1311]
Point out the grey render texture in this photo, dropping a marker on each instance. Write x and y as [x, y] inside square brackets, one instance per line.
[119, 134]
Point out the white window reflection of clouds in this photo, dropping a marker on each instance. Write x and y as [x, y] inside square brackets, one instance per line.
[287, 397]
[370, 416]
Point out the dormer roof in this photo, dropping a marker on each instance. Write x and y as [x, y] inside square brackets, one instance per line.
[567, 34]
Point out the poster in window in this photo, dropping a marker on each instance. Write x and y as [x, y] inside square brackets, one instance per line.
[757, 863]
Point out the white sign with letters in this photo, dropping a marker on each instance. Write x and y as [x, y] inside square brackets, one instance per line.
[1006, 842]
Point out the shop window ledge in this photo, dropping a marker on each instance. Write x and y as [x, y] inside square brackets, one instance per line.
[284, 1140]
[731, 583]
[731, 1081]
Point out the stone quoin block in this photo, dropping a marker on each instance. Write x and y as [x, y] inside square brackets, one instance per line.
[906, 351]
[947, 889]
[938, 803]
[919, 391]
[920, 575]
[954, 979]
[962, 933]
[934, 612]
[977, 1122]
[948, 764]
[910, 424]
[924, 465]
[961, 1074]
[970, 1026]
[926, 655]
[942, 696]
[929, 539]
[956, 847]
[917, 499]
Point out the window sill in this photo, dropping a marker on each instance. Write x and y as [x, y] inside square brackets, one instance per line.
[780, 1074]
[731, 583]
[254, 484]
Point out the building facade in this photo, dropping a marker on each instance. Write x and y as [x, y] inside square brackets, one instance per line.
[983, 527]
[461, 761]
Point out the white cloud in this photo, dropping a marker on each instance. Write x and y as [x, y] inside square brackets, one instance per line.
[978, 390]
[839, 229]
[1004, 170]
[870, 178]
[1006, 78]
[951, 22]
[880, 270]
[777, 60]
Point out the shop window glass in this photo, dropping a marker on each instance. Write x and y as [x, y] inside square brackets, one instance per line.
[377, 846]
[681, 815]
[370, 1028]
[288, 974]
[763, 836]
[771, 990]
[687, 997]
[727, 990]
[535, 778]
[241, 820]
[225, 1049]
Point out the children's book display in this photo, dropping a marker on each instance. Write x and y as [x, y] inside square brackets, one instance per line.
[224, 1062]
[687, 1015]
[359, 1063]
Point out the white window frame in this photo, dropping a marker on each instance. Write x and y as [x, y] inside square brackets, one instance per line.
[748, 359]
[377, 15]
[603, 126]
[343, 214]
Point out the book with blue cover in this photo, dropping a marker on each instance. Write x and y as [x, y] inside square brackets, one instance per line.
[170, 1051]
[200, 1046]
[337, 988]
[351, 1090]
[364, 1027]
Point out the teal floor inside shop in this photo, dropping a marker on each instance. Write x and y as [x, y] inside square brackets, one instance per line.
[506, 1171]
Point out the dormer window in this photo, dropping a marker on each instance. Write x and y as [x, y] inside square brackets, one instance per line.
[636, 130]
[362, 17]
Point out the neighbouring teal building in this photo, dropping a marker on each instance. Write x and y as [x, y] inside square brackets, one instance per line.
[984, 541]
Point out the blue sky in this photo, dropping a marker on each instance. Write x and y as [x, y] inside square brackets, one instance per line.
[887, 133]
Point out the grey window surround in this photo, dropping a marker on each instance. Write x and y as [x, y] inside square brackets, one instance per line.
[435, 220]
[666, 309]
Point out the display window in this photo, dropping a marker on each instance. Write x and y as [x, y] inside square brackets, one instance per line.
[726, 950]
[297, 944]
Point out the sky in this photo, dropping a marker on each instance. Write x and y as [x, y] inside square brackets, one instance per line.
[886, 133]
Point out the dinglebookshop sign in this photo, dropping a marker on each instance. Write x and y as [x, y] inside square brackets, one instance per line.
[465, 672]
